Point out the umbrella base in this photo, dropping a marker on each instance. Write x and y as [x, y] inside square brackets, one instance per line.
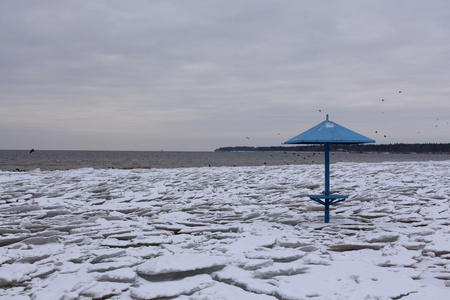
[327, 200]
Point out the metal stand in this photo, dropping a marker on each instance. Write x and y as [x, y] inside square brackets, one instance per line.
[327, 198]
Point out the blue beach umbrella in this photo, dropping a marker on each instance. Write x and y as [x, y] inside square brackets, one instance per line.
[328, 133]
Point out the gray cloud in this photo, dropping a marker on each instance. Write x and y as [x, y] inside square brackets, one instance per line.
[197, 75]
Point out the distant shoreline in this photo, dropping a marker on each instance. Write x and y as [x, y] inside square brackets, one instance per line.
[391, 148]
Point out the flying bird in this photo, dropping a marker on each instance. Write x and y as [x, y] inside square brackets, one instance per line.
[399, 92]
[31, 151]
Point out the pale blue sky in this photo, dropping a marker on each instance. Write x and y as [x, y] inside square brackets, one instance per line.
[198, 75]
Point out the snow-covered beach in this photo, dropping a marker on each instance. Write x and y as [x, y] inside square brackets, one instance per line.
[226, 233]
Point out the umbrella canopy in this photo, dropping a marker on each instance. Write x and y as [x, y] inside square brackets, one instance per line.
[329, 132]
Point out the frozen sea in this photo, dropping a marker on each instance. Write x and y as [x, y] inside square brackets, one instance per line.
[226, 232]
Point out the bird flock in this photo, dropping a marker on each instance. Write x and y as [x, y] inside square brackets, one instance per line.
[384, 100]
[384, 133]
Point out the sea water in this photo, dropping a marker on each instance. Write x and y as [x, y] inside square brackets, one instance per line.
[22, 160]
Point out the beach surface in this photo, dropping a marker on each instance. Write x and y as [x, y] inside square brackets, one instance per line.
[227, 233]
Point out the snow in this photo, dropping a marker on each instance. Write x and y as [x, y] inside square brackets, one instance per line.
[180, 263]
[226, 233]
[184, 286]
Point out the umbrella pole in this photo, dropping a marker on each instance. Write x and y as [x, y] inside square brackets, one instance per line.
[327, 169]
[327, 182]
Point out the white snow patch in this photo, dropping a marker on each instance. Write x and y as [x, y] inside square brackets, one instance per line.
[185, 286]
[182, 262]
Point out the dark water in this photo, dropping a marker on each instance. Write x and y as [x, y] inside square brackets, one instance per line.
[11, 160]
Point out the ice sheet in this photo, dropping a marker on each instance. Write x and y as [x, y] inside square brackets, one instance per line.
[226, 233]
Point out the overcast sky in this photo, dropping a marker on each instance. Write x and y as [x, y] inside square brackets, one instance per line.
[201, 74]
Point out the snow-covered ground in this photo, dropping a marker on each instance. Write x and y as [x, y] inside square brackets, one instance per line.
[226, 233]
